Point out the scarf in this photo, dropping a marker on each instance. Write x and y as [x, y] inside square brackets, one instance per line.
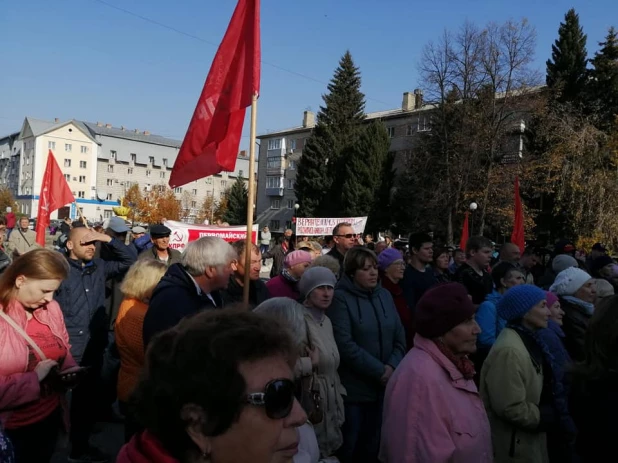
[587, 306]
[463, 364]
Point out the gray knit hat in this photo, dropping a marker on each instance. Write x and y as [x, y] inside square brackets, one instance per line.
[563, 262]
[315, 277]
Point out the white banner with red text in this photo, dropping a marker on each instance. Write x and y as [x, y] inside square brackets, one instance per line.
[324, 226]
[183, 233]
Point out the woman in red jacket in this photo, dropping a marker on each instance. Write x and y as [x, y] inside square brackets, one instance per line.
[36, 366]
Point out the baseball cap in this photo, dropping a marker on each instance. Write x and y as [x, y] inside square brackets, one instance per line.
[117, 225]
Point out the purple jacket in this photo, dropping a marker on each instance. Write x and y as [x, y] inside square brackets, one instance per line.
[279, 286]
[431, 413]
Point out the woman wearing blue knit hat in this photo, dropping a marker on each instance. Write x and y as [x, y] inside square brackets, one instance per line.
[515, 379]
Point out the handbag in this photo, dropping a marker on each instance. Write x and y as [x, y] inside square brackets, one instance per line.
[310, 397]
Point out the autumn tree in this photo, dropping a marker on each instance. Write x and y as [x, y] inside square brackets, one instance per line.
[7, 200]
[238, 197]
[207, 210]
[186, 204]
[159, 203]
[222, 206]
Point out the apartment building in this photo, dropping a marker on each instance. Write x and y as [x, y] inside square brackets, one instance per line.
[280, 153]
[100, 163]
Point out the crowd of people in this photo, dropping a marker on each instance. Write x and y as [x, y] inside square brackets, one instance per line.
[353, 351]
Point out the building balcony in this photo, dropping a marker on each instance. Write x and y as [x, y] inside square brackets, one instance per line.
[274, 191]
[275, 171]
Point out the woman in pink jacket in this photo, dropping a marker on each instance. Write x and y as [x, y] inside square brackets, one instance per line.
[432, 409]
[32, 386]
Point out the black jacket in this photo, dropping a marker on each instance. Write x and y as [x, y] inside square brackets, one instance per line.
[340, 258]
[175, 298]
[574, 325]
[258, 292]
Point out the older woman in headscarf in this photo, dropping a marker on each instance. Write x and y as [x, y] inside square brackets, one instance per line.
[515, 379]
[432, 409]
[577, 293]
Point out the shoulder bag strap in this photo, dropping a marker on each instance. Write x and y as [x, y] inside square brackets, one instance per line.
[25, 239]
[23, 334]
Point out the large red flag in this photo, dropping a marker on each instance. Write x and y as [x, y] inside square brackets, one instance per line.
[55, 193]
[465, 234]
[212, 140]
[518, 237]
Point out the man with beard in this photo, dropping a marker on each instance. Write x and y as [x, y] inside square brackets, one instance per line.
[82, 300]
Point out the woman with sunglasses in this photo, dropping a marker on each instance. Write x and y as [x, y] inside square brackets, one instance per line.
[218, 388]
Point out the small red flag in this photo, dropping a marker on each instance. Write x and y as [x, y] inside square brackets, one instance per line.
[518, 236]
[55, 193]
[465, 234]
[211, 143]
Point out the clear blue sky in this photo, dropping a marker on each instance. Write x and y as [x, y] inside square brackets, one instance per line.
[85, 60]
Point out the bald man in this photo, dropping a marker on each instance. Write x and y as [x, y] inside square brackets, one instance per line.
[510, 253]
[82, 299]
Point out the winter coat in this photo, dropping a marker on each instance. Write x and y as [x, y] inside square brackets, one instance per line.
[487, 318]
[233, 294]
[10, 219]
[369, 336]
[144, 448]
[18, 386]
[81, 297]
[174, 256]
[404, 311]
[511, 386]
[142, 243]
[21, 241]
[280, 286]
[277, 254]
[332, 391]
[176, 297]
[574, 325]
[432, 413]
[334, 252]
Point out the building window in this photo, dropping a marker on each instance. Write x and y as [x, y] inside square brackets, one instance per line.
[274, 225]
[162, 174]
[133, 157]
[130, 170]
[51, 145]
[82, 179]
[107, 214]
[391, 132]
[68, 147]
[290, 204]
[81, 194]
[273, 182]
[209, 181]
[164, 162]
[194, 192]
[82, 164]
[275, 204]
[112, 154]
[193, 204]
[273, 163]
[110, 182]
[67, 163]
[292, 144]
[221, 194]
[109, 196]
[240, 173]
[178, 189]
[274, 144]
[292, 165]
[223, 183]
[67, 177]
[110, 168]
[422, 124]
[290, 184]
[83, 149]
[151, 160]
[288, 224]
[148, 173]
[410, 130]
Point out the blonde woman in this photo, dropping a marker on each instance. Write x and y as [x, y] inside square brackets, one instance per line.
[137, 288]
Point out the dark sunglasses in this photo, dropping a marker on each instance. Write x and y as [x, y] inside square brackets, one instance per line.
[277, 398]
[348, 235]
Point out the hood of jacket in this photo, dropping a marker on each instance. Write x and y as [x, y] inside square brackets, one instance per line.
[494, 297]
[347, 284]
[144, 448]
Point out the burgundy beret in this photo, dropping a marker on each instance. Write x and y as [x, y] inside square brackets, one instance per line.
[442, 308]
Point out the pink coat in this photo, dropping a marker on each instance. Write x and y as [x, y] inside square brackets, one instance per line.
[18, 387]
[431, 413]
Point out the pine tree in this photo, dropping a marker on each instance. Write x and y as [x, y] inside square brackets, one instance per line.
[339, 124]
[605, 79]
[566, 70]
[364, 161]
[380, 217]
[236, 213]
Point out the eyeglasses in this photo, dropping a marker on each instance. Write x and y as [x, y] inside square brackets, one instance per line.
[347, 235]
[277, 398]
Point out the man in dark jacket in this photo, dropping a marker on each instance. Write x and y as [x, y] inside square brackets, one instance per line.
[82, 299]
[191, 286]
[258, 292]
[345, 239]
[161, 250]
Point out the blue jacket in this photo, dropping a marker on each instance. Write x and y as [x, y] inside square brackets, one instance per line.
[369, 335]
[82, 299]
[175, 298]
[487, 318]
[141, 244]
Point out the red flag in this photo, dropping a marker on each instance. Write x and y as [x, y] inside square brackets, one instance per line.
[213, 136]
[518, 237]
[55, 193]
[465, 234]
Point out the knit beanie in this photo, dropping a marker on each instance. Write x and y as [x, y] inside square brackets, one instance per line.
[569, 281]
[295, 258]
[563, 262]
[442, 308]
[315, 277]
[387, 257]
[600, 262]
[551, 298]
[518, 301]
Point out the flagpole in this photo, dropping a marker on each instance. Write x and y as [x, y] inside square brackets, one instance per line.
[251, 195]
[81, 215]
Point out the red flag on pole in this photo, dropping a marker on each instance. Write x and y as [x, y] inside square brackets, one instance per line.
[55, 193]
[211, 143]
[465, 234]
[518, 236]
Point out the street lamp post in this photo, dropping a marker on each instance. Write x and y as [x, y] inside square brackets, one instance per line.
[473, 208]
[296, 207]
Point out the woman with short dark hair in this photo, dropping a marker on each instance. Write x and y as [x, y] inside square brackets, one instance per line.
[218, 387]
[371, 343]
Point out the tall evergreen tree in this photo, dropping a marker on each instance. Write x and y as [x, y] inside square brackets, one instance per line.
[339, 124]
[380, 217]
[566, 70]
[605, 79]
[236, 213]
[364, 161]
